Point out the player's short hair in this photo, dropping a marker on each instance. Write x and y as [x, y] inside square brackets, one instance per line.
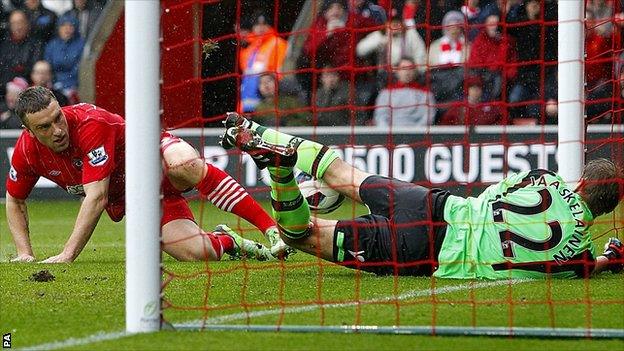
[32, 100]
[604, 186]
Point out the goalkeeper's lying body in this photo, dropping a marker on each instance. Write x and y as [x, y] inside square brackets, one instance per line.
[531, 224]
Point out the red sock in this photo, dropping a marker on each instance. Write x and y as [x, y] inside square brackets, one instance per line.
[225, 193]
[221, 243]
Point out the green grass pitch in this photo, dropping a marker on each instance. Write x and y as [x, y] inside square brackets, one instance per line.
[87, 298]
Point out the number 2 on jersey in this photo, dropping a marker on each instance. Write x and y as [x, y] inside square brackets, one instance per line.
[508, 237]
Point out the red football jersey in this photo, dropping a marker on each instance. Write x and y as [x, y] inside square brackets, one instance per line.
[96, 151]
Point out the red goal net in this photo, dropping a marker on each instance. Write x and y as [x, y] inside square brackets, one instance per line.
[454, 95]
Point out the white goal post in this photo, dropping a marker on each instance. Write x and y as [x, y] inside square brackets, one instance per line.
[571, 89]
[142, 56]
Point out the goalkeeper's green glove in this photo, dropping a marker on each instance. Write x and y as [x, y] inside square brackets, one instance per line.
[614, 251]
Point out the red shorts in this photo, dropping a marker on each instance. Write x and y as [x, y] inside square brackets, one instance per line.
[174, 206]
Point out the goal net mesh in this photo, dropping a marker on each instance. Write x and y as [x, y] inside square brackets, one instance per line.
[446, 94]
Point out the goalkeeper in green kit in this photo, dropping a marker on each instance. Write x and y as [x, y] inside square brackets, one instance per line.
[530, 224]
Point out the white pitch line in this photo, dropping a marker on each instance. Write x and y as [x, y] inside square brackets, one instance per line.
[104, 336]
[71, 342]
[307, 308]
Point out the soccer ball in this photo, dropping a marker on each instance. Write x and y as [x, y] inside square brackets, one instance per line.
[321, 198]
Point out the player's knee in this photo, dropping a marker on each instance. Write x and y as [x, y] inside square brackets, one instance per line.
[183, 257]
[189, 170]
[183, 166]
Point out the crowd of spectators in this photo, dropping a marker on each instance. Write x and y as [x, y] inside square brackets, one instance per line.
[364, 62]
[41, 43]
[452, 62]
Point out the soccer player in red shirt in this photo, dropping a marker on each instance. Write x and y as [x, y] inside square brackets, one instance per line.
[81, 148]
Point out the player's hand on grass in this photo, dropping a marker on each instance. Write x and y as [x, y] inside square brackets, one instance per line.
[60, 258]
[614, 251]
[24, 258]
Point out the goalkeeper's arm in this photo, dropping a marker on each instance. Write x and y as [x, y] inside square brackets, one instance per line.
[612, 258]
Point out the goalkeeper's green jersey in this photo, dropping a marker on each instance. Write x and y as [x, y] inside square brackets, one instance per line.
[527, 226]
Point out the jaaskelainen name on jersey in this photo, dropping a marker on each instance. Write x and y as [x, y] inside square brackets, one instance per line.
[528, 225]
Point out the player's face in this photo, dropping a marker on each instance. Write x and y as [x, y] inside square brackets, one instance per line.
[49, 126]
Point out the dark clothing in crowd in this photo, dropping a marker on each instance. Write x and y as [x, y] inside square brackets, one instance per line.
[286, 111]
[9, 120]
[369, 10]
[337, 97]
[42, 23]
[60, 97]
[17, 59]
[64, 56]
[5, 11]
[86, 19]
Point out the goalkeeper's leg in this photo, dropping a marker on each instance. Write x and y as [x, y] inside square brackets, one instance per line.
[319, 241]
[313, 158]
[359, 243]
[290, 209]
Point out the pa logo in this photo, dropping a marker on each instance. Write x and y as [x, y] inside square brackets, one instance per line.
[6, 341]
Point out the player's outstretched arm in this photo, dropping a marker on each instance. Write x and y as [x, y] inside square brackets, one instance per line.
[94, 203]
[17, 217]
